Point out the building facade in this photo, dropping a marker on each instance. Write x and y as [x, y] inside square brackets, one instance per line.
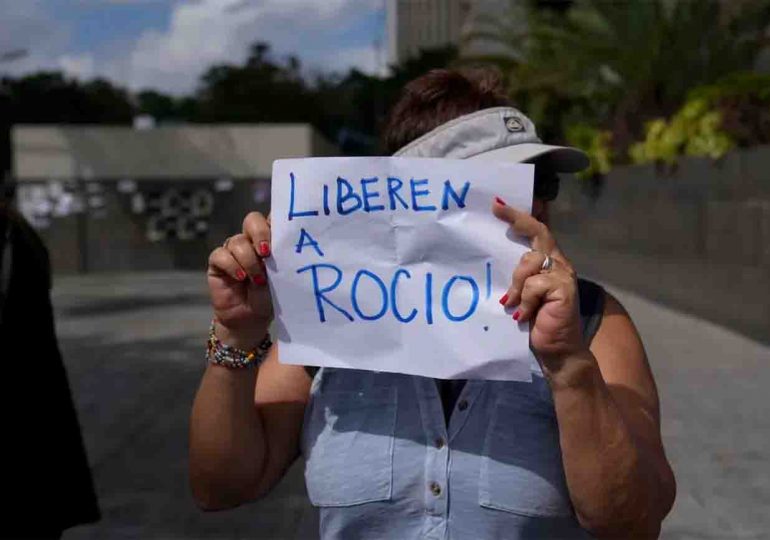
[123, 199]
[415, 25]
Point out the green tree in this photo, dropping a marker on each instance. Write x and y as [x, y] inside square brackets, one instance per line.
[263, 89]
[52, 98]
[166, 108]
[354, 106]
[620, 64]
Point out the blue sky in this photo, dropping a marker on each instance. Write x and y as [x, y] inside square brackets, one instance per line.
[166, 44]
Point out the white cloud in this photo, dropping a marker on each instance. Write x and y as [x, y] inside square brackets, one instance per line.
[366, 58]
[81, 66]
[29, 27]
[199, 33]
[101, 3]
[215, 31]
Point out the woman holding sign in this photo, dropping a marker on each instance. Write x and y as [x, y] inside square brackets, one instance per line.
[576, 453]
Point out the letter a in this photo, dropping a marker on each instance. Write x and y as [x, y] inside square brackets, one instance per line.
[305, 240]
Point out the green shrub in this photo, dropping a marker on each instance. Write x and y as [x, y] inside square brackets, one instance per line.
[693, 131]
[733, 112]
[744, 102]
[596, 143]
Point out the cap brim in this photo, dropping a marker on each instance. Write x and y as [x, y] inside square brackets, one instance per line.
[562, 159]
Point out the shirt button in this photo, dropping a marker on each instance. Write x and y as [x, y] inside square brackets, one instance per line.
[439, 442]
[462, 405]
[435, 488]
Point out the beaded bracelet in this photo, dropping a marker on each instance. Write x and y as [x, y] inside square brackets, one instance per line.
[219, 354]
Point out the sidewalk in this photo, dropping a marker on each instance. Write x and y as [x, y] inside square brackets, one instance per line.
[133, 345]
[713, 386]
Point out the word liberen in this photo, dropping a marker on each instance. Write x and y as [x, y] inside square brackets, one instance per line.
[378, 195]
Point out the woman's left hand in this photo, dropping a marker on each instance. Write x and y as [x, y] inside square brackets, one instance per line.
[547, 299]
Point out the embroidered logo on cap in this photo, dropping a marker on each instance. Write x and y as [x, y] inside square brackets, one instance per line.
[513, 124]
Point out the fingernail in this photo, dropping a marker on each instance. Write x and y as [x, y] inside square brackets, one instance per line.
[498, 200]
[264, 249]
[240, 275]
[259, 279]
[504, 299]
[516, 315]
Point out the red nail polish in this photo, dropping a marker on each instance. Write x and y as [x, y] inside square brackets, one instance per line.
[259, 280]
[498, 200]
[516, 315]
[504, 299]
[240, 275]
[264, 249]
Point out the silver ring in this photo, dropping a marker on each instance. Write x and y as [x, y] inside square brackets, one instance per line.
[547, 264]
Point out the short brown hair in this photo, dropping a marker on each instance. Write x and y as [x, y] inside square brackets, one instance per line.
[437, 97]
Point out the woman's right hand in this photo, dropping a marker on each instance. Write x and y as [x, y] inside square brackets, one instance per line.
[238, 287]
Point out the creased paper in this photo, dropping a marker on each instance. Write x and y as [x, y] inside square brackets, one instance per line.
[397, 265]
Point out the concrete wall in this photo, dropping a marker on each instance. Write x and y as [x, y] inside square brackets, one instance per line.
[696, 237]
[188, 151]
[114, 238]
[79, 186]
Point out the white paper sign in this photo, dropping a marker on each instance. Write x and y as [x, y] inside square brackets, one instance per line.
[398, 265]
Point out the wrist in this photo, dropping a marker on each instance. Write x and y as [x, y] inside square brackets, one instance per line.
[231, 357]
[575, 370]
[246, 337]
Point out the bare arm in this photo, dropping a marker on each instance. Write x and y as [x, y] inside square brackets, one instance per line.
[245, 424]
[606, 402]
[242, 441]
[619, 480]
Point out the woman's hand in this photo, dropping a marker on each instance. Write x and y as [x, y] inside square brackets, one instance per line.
[547, 299]
[238, 287]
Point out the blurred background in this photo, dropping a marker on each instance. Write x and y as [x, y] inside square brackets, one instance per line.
[136, 134]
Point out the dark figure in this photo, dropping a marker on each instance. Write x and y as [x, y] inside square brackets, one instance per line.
[46, 479]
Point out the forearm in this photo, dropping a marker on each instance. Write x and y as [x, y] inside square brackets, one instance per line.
[227, 444]
[613, 483]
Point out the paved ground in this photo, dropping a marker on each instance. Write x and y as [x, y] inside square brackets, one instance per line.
[133, 348]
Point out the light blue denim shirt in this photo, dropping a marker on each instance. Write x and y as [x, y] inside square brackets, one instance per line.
[382, 463]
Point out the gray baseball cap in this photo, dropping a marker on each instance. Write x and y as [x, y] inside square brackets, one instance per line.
[495, 134]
